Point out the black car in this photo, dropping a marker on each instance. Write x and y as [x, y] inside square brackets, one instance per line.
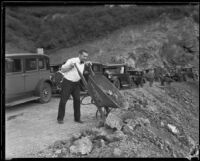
[118, 74]
[137, 77]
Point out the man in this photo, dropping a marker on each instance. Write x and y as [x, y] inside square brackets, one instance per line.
[71, 85]
[149, 75]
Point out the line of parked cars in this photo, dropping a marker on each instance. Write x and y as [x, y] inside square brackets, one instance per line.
[29, 76]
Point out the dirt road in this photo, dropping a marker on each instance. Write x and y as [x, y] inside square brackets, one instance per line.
[25, 135]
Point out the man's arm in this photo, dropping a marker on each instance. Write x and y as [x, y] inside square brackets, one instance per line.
[67, 66]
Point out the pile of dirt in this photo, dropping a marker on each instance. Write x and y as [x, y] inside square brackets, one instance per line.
[160, 122]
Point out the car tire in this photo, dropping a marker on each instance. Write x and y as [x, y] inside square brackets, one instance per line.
[116, 82]
[45, 92]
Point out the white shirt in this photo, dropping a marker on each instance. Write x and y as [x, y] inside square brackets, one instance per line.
[72, 74]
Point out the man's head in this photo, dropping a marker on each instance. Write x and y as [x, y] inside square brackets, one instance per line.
[83, 55]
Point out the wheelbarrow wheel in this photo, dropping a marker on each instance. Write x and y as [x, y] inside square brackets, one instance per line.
[105, 111]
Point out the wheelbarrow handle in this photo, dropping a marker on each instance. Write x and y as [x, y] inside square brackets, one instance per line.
[90, 69]
[82, 77]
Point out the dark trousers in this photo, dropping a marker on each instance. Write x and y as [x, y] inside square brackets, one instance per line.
[69, 88]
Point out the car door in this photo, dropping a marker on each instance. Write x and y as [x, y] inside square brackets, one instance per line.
[44, 72]
[124, 76]
[32, 75]
[14, 84]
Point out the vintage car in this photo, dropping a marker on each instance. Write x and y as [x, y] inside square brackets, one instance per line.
[118, 74]
[190, 73]
[27, 78]
[137, 76]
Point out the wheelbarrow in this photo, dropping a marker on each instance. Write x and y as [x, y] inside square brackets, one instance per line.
[103, 93]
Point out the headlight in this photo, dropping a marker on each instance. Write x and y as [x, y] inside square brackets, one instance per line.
[109, 76]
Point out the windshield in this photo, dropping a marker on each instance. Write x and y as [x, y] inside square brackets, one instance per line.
[116, 70]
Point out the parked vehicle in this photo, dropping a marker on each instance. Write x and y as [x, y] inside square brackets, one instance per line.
[55, 67]
[190, 72]
[137, 76]
[27, 78]
[118, 74]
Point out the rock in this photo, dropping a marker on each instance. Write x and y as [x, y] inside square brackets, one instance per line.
[83, 146]
[116, 136]
[58, 151]
[119, 134]
[162, 124]
[127, 130]
[76, 136]
[102, 143]
[139, 121]
[172, 128]
[113, 120]
[117, 152]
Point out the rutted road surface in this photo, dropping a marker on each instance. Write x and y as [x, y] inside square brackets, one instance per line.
[32, 126]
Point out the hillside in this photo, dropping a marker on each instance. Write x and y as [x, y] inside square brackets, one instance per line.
[162, 40]
[148, 34]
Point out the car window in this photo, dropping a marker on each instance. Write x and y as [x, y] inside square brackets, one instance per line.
[13, 65]
[114, 70]
[31, 64]
[41, 63]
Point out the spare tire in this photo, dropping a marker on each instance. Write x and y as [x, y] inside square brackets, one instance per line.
[58, 76]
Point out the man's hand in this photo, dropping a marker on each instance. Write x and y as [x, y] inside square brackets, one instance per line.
[88, 63]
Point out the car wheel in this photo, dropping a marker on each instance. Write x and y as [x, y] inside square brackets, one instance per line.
[45, 92]
[117, 83]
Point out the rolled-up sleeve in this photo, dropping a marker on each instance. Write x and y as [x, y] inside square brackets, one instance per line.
[65, 67]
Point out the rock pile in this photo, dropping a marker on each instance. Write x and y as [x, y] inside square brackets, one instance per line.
[156, 124]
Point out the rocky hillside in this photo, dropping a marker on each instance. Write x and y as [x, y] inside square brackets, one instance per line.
[163, 41]
[159, 122]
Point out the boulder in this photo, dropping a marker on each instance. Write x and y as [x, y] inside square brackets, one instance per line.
[114, 119]
[117, 152]
[173, 128]
[82, 146]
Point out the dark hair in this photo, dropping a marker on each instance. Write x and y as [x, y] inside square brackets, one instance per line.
[82, 51]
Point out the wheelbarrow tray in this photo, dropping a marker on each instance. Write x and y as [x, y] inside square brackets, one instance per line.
[103, 92]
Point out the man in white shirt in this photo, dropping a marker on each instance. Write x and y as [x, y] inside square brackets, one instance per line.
[71, 85]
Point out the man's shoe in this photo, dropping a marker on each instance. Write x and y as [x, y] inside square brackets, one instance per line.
[79, 121]
[60, 121]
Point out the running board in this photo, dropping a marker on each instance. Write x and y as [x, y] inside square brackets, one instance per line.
[22, 101]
